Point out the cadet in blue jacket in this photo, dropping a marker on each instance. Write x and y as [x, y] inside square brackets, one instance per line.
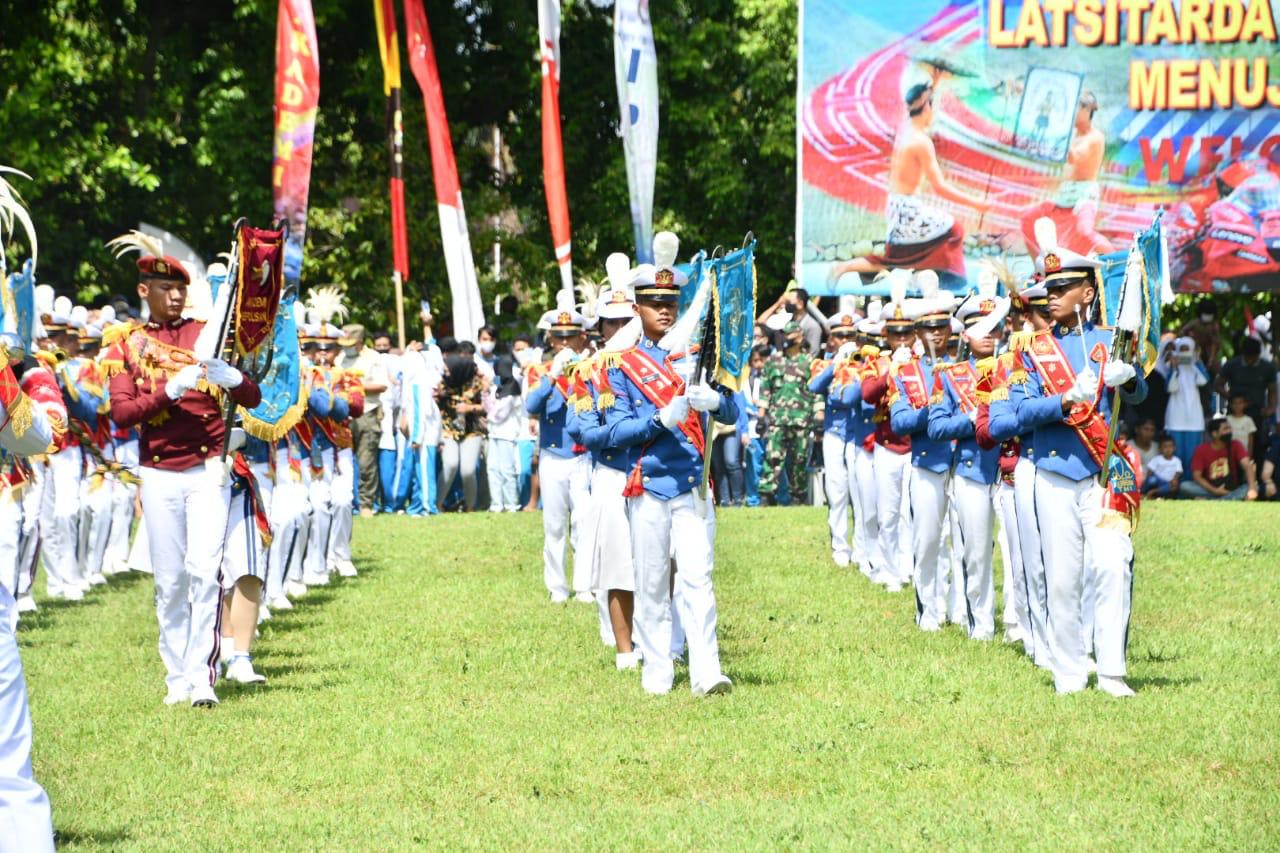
[1057, 394]
[657, 420]
[952, 418]
[837, 477]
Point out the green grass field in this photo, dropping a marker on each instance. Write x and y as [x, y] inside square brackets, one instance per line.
[439, 700]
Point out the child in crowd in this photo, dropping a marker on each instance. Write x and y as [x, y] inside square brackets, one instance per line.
[1164, 472]
[1242, 426]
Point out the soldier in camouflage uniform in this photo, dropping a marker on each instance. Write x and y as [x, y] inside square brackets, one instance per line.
[785, 399]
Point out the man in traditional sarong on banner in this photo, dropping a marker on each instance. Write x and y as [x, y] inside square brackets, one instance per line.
[919, 235]
[1084, 524]
[1074, 206]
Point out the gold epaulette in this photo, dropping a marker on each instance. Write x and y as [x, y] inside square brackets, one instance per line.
[1019, 341]
[987, 366]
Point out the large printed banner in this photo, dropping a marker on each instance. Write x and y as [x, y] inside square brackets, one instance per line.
[934, 134]
[297, 98]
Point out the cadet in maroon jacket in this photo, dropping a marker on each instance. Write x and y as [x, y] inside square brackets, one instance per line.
[158, 386]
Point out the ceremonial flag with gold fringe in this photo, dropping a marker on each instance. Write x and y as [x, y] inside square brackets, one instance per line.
[552, 143]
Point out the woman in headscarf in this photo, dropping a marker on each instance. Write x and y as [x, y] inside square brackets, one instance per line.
[463, 425]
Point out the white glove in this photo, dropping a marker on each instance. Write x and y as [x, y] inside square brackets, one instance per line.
[219, 373]
[183, 381]
[703, 398]
[901, 355]
[238, 438]
[1084, 390]
[561, 360]
[1117, 373]
[846, 350]
[673, 414]
[973, 417]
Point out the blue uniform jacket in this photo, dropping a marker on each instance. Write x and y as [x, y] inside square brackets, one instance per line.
[926, 452]
[860, 413]
[832, 421]
[949, 422]
[590, 430]
[1057, 446]
[669, 463]
[82, 403]
[545, 402]
[323, 403]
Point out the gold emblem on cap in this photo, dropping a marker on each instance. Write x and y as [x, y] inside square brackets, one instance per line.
[161, 267]
[664, 278]
[987, 306]
[1052, 263]
[619, 296]
[564, 319]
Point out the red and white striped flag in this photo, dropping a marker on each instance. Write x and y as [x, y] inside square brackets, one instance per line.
[552, 144]
[468, 313]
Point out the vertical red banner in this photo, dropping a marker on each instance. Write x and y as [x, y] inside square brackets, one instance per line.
[297, 98]
[552, 143]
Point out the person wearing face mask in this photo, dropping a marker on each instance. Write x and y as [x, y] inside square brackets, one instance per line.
[785, 399]
[487, 346]
[1057, 392]
[367, 363]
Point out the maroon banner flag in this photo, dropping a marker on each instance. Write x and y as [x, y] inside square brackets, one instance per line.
[260, 281]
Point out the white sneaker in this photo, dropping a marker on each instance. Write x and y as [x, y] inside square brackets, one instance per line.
[346, 568]
[626, 660]
[893, 586]
[559, 597]
[203, 697]
[27, 604]
[1114, 686]
[226, 650]
[264, 613]
[1013, 634]
[315, 580]
[929, 625]
[241, 671]
[1064, 688]
[280, 602]
[73, 593]
[177, 695]
[97, 579]
[294, 588]
[1090, 665]
[840, 560]
[717, 687]
[585, 597]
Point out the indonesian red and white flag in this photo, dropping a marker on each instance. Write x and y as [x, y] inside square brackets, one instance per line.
[468, 313]
[552, 143]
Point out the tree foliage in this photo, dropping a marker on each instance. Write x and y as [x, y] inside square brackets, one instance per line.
[129, 110]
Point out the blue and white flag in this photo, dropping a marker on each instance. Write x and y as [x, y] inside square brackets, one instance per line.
[735, 306]
[18, 305]
[636, 67]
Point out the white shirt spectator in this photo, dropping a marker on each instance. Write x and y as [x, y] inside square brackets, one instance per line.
[504, 415]
[1183, 413]
[1241, 428]
[1165, 468]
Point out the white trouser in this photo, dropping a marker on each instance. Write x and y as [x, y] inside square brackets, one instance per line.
[891, 475]
[976, 520]
[32, 502]
[11, 542]
[26, 821]
[245, 554]
[186, 515]
[343, 483]
[1024, 500]
[140, 553]
[861, 463]
[949, 563]
[1072, 510]
[122, 494]
[93, 523]
[315, 566]
[1015, 584]
[928, 495]
[565, 485]
[288, 513]
[660, 528]
[58, 524]
[835, 476]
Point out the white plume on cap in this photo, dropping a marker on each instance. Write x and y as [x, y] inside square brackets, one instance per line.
[564, 301]
[106, 315]
[1046, 234]
[618, 268]
[899, 281]
[325, 303]
[666, 246]
[927, 281]
[79, 317]
[988, 282]
[874, 308]
[44, 297]
[135, 241]
[62, 308]
[981, 328]
[299, 313]
[12, 207]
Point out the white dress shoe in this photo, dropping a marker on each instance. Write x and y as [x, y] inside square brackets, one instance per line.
[929, 625]
[264, 613]
[241, 671]
[1116, 687]
[315, 580]
[840, 560]
[718, 686]
[559, 597]
[27, 604]
[1014, 634]
[73, 593]
[295, 588]
[346, 568]
[280, 602]
[203, 697]
[626, 660]
[893, 586]
[97, 579]
[585, 597]
[177, 695]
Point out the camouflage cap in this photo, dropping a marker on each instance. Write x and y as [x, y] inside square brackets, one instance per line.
[791, 328]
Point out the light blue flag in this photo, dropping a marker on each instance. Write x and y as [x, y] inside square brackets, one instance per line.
[18, 307]
[736, 314]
